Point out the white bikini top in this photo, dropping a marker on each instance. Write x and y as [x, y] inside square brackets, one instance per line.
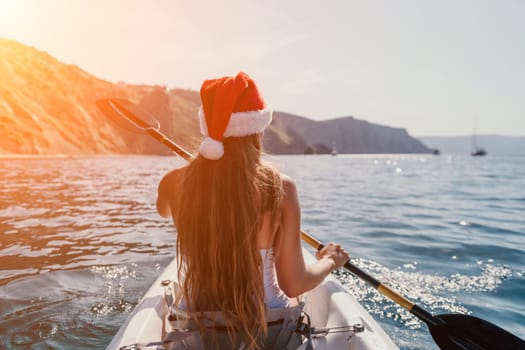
[274, 296]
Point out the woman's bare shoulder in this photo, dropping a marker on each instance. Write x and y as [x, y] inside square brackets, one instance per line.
[173, 177]
[169, 190]
[171, 182]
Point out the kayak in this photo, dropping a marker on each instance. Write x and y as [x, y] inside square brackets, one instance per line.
[337, 317]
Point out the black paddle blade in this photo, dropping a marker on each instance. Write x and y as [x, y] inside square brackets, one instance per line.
[463, 332]
[127, 115]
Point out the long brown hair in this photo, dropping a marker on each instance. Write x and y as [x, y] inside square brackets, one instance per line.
[218, 217]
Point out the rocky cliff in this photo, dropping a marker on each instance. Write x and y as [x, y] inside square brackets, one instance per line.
[345, 135]
[47, 107]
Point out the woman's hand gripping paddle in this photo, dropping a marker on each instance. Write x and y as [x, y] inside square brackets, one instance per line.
[450, 331]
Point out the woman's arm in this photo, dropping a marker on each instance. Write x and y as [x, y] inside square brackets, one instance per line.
[293, 275]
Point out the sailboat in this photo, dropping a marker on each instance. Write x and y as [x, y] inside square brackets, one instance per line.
[476, 151]
[479, 152]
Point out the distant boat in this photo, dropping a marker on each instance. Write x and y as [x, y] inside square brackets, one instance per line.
[479, 152]
[476, 151]
[436, 152]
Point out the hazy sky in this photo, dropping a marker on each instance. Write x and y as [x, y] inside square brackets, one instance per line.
[428, 66]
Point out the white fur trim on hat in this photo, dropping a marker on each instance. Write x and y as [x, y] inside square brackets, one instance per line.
[248, 123]
[211, 149]
[242, 123]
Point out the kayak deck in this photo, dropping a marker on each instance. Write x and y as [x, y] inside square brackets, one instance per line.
[328, 305]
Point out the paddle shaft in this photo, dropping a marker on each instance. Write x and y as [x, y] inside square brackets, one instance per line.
[170, 144]
[381, 288]
[449, 331]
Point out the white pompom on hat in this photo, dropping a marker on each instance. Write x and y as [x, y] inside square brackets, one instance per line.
[231, 107]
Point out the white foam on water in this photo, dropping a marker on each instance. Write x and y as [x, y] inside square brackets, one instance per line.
[435, 293]
[115, 288]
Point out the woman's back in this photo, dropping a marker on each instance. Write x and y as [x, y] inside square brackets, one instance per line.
[224, 212]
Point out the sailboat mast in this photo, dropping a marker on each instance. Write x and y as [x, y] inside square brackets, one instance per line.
[474, 137]
[476, 151]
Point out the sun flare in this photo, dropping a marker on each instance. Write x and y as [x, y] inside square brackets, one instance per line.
[6, 5]
[9, 11]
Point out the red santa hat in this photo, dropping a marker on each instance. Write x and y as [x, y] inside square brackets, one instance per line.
[231, 107]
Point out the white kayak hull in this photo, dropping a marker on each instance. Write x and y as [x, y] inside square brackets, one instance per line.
[329, 305]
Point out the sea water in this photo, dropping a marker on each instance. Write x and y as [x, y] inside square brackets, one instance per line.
[80, 240]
